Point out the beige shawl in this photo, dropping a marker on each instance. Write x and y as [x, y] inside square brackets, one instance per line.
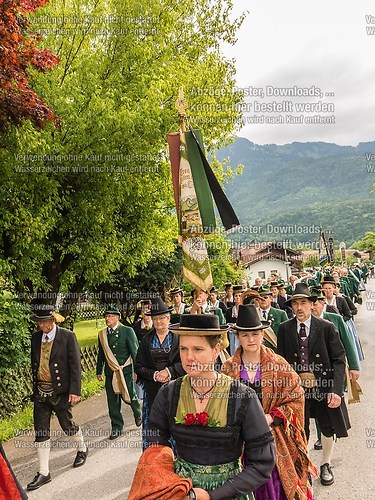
[118, 380]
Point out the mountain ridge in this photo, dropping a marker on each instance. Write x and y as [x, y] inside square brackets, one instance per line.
[281, 184]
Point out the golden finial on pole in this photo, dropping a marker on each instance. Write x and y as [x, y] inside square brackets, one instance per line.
[181, 106]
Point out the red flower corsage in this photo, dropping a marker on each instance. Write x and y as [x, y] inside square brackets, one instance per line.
[202, 418]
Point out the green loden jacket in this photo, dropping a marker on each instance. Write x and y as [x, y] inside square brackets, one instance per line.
[123, 343]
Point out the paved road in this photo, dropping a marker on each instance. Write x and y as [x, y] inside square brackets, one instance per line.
[110, 466]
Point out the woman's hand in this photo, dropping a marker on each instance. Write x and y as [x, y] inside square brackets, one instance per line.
[201, 494]
[163, 376]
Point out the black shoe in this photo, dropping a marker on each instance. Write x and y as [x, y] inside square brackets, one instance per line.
[138, 421]
[326, 476]
[318, 445]
[114, 434]
[80, 458]
[38, 481]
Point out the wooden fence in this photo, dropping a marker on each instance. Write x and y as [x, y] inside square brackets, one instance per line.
[16, 387]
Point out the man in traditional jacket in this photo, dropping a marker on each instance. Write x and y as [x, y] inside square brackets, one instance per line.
[314, 349]
[293, 280]
[267, 312]
[56, 368]
[118, 346]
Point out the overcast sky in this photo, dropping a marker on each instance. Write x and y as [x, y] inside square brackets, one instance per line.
[321, 44]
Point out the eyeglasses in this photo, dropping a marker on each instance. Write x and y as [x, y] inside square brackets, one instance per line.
[159, 318]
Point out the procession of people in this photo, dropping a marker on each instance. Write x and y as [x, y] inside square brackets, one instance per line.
[223, 386]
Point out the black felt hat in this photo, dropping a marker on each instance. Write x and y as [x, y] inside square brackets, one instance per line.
[158, 307]
[248, 319]
[176, 290]
[300, 292]
[276, 284]
[198, 325]
[328, 280]
[45, 312]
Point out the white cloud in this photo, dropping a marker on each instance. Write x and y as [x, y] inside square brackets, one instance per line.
[304, 44]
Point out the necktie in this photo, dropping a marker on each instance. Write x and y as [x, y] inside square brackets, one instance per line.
[46, 338]
[110, 331]
[302, 331]
[265, 315]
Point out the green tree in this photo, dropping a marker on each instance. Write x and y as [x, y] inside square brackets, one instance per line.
[224, 267]
[367, 243]
[95, 197]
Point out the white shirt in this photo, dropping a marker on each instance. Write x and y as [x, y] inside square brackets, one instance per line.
[113, 328]
[51, 335]
[180, 309]
[332, 302]
[307, 324]
[261, 311]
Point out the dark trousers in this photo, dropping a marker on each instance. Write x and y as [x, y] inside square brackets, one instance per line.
[43, 412]
[317, 408]
[114, 401]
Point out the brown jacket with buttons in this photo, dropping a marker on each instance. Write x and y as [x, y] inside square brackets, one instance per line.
[64, 363]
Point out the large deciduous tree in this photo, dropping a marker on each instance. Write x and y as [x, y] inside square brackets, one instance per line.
[82, 202]
[18, 55]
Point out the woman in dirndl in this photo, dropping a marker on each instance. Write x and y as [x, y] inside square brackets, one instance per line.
[214, 422]
[279, 390]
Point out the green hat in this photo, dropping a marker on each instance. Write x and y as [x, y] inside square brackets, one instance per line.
[112, 309]
[264, 290]
[317, 292]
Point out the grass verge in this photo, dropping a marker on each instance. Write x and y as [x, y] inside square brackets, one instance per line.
[87, 331]
[23, 420]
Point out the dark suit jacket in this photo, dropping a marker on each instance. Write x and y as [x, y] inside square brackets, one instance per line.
[145, 366]
[228, 315]
[326, 352]
[343, 308]
[281, 301]
[327, 361]
[351, 305]
[65, 362]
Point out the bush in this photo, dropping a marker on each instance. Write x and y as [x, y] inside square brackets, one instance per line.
[15, 331]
